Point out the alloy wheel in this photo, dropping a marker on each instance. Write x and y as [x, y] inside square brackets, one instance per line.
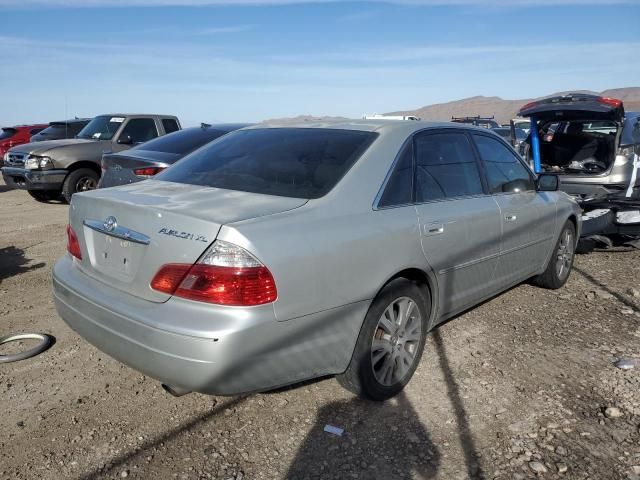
[396, 340]
[564, 255]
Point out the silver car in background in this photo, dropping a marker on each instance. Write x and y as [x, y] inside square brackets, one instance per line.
[279, 254]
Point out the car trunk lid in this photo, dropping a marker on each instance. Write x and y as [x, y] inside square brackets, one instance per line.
[574, 106]
[123, 168]
[127, 233]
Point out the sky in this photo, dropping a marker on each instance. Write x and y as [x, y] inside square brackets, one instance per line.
[249, 60]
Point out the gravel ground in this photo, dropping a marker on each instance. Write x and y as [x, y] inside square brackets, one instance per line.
[521, 387]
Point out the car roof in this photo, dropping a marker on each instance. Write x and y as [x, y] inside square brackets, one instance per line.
[377, 125]
[135, 115]
[71, 120]
[225, 127]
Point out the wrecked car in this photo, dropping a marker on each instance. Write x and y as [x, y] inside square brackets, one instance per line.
[592, 144]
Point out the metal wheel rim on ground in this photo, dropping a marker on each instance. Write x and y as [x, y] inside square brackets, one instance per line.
[45, 342]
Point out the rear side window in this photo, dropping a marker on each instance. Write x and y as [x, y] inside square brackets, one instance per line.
[400, 185]
[140, 130]
[170, 125]
[288, 162]
[505, 172]
[183, 141]
[7, 133]
[445, 167]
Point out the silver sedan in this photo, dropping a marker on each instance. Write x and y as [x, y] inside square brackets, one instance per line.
[279, 254]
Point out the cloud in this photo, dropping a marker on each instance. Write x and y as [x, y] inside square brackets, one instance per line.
[192, 3]
[223, 30]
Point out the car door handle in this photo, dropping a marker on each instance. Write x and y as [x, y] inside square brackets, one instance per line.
[510, 218]
[434, 229]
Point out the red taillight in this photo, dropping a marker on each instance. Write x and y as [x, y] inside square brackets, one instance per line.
[73, 245]
[614, 102]
[237, 286]
[528, 106]
[148, 171]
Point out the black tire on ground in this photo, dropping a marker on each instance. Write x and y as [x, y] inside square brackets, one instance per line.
[44, 195]
[80, 180]
[362, 377]
[559, 268]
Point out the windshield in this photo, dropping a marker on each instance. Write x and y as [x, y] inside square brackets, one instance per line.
[288, 162]
[7, 133]
[103, 127]
[182, 141]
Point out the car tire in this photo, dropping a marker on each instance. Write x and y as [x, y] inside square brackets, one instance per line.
[388, 349]
[80, 180]
[559, 267]
[44, 195]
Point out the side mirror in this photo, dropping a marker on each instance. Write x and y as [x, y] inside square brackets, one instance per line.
[547, 183]
[125, 140]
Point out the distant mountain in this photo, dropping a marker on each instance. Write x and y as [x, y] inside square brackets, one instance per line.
[503, 110]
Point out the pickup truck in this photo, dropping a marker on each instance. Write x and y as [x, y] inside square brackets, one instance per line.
[60, 168]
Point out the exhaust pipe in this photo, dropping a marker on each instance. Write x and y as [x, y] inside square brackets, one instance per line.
[175, 391]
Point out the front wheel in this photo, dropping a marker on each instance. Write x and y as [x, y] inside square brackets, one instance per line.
[391, 341]
[80, 180]
[559, 268]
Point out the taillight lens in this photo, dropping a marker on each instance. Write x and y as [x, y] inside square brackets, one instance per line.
[613, 102]
[73, 245]
[226, 275]
[148, 171]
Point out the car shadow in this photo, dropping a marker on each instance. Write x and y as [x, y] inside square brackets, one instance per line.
[597, 283]
[140, 451]
[13, 261]
[381, 440]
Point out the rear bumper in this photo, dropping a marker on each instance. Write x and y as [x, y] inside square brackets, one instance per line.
[206, 348]
[23, 179]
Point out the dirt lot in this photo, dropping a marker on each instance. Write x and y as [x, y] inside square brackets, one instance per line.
[519, 385]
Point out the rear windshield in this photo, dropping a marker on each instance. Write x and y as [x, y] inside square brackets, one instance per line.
[288, 162]
[7, 133]
[183, 141]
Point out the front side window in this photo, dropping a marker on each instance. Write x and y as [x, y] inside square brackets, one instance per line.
[140, 130]
[445, 167]
[399, 188]
[505, 172]
[288, 162]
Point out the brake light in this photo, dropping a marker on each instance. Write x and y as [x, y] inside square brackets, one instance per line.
[614, 102]
[528, 106]
[73, 245]
[148, 171]
[225, 275]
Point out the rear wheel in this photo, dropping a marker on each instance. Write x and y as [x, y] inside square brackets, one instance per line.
[391, 341]
[559, 268]
[80, 180]
[44, 195]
